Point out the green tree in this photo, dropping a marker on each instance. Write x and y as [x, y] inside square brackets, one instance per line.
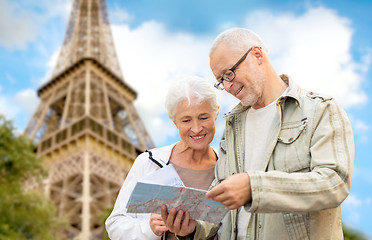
[351, 234]
[103, 216]
[23, 214]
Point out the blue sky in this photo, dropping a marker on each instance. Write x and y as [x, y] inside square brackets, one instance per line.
[325, 45]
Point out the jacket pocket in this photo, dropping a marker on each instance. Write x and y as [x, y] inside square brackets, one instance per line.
[297, 226]
[291, 153]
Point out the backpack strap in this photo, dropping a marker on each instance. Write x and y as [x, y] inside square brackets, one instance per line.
[152, 159]
[164, 236]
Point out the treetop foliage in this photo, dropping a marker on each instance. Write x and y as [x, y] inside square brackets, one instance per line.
[24, 214]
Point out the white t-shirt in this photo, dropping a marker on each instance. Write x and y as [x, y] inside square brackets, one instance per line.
[257, 130]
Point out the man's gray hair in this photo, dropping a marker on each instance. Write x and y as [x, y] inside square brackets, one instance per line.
[239, 39]
[190, 88]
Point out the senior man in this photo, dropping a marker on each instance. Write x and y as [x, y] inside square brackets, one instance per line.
[286, 156]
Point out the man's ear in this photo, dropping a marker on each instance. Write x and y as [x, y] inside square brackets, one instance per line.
[258, 53]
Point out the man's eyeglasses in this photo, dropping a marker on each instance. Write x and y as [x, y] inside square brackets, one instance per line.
[229, 75]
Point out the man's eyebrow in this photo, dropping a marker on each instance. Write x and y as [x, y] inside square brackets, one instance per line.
[223, 71]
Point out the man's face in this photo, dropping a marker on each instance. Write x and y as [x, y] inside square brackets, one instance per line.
[247, 85]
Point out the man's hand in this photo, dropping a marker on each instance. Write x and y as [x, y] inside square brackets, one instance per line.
[177, 222]
[157, 224]
[233, 192]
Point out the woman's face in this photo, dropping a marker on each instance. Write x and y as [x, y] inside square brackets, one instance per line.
[195, 123]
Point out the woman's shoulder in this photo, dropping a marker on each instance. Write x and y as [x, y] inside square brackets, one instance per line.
[160, 154]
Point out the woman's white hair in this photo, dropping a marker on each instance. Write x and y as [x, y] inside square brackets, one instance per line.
[190, 88]
[239, 39]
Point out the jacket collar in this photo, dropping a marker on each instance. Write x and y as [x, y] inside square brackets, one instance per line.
[293, 92]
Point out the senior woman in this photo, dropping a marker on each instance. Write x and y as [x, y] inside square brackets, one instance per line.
[191, 104]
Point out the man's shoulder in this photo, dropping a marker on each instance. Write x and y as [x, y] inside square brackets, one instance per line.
[309, 102]
[318, 96]
[303, 95]
[314, 98]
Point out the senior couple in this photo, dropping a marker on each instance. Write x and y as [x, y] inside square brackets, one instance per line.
[283, 167]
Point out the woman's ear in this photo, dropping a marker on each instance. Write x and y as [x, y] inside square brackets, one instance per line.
[218, 111]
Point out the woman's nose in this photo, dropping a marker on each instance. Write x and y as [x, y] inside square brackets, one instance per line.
[196, 127]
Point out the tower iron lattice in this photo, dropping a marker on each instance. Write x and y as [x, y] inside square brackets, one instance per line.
[86, 127]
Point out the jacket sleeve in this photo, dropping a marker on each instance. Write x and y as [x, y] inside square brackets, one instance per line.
[121, 225]
[326, 180]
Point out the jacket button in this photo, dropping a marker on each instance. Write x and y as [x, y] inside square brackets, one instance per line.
[259, 226]
[229, 122]
[290, 139]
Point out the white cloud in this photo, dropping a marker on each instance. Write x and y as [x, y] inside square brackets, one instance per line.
[150, 57]
[351, 207]
[27, 99]
[49, 69]
[361, 130]
[352, 202]
[17, 26]
[314, 48]
[7, 108]
[18, 107]
[56, 8]
[361, 126]
[120, 15]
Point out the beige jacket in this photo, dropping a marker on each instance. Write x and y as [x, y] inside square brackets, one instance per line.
[305, 174]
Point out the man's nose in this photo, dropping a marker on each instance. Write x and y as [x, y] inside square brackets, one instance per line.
[227, 85]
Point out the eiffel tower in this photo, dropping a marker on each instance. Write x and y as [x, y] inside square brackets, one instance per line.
[86, 126]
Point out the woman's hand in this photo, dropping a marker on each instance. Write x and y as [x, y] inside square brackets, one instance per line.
[179, 222]
[157, 224]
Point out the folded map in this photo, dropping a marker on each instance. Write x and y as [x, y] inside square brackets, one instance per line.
[148, 198]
